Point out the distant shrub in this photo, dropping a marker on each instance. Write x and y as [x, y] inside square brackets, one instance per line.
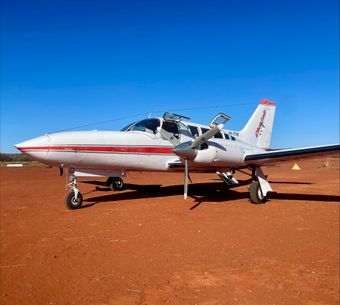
[14, 158]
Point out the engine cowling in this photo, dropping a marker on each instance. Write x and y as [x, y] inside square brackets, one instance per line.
[206, 154]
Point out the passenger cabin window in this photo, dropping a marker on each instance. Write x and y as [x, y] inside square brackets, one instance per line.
[204, 130]
[193, 130]
[148, 125]
[218, 135]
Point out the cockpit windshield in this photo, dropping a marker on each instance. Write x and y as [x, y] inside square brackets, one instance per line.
[127, 127]
[170, 130]
[147, 125]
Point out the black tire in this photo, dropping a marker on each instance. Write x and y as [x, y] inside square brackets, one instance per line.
[256, 193]
[116, 184]
[71, 202]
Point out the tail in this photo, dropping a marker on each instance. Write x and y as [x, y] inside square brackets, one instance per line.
[258, 130]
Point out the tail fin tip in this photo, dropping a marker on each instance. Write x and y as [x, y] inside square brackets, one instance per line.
[267, 102]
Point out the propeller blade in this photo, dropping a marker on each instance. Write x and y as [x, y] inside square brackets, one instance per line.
[188, 150]
[206, 136]
[186, 175]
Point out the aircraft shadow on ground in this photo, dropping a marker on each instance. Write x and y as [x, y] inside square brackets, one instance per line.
[200, 192]
[248, 181]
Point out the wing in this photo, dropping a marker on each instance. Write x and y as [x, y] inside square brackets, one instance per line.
[282, 155]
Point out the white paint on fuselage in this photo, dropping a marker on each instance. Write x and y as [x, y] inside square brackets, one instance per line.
[109, 160]
[221, 153]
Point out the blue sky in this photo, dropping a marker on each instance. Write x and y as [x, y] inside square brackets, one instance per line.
[69, 63]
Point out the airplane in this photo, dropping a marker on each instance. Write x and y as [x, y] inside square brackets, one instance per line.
[170, 144]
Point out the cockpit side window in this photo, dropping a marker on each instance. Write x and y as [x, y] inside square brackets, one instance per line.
[171, 128]
[148, 125]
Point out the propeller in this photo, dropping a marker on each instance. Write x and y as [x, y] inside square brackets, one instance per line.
[206, 136]
[189, 150]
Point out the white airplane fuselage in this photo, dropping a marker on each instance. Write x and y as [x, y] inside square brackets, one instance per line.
[129, 151]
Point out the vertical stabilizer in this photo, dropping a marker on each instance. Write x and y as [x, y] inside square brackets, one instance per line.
[258, 130]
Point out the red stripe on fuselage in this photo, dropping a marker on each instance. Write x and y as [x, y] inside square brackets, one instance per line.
[103, 149]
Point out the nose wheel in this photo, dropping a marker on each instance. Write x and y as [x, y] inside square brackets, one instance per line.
[72, 202]
[74, 198]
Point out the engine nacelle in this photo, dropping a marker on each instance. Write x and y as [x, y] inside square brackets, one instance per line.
[206, 155]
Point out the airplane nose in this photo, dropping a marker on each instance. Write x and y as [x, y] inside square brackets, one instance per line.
[36, 148]
[36, 143]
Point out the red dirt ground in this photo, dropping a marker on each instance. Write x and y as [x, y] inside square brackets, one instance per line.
[146, 245]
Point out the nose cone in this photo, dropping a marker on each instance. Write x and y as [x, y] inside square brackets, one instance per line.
[36, 143]
[36, 148]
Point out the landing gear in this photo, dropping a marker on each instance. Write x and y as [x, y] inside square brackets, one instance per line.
[72, 202]
[115, 184]
[255, 193]
[74, 198]
[228, 178]
[260, 187]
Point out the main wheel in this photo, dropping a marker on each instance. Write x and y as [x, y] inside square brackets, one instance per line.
[255, 193]
[116, 184]
[72, 202]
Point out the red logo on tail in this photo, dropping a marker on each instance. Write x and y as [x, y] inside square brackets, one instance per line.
[261, 124]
